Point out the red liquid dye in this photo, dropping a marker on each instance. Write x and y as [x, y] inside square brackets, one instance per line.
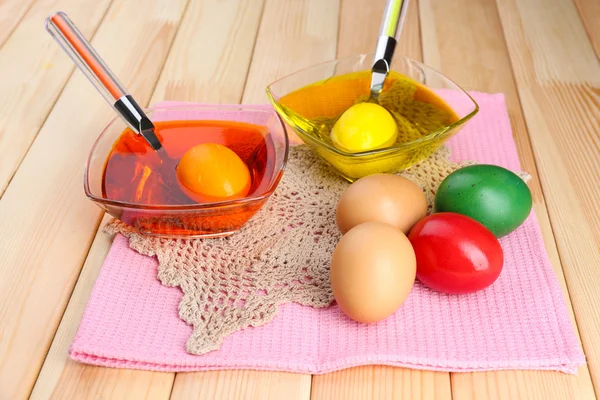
[136, 174]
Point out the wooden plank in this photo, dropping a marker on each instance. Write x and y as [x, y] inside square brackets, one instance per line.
[216, 70]
[38, 70]
[293, 35]
[589, 11]
[11, 13]
[94, 383]
[62, 378]
[519, 385]
[359, 29]
[381, 382]
[309, 26]
[481, 62]
[46, 222]
[233, 384]
[558, 79]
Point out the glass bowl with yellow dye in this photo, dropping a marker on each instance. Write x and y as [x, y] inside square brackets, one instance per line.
[427, 107]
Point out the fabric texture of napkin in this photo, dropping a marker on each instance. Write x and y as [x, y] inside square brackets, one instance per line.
[520, 322]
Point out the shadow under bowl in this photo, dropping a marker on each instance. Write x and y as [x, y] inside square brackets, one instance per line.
[194, 220]
[311, 99]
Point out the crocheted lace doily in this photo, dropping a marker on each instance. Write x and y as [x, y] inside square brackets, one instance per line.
[281, 255]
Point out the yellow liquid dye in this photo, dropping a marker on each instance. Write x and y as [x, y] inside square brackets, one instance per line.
[418, 112]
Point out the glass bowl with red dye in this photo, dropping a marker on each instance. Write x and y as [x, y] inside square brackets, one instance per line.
[129, 180]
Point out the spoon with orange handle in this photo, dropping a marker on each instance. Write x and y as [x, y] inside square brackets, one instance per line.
[89, 62]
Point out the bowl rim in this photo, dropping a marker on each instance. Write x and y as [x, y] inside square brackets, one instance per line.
[386, 150]
[199, 206]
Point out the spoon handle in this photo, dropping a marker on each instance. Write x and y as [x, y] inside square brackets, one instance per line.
[85, 57]
[91, 64]
[393, 18]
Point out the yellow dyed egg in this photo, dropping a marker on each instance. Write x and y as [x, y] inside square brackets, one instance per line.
[364, 127]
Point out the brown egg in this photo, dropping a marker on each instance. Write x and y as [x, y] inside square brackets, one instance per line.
[381, 197]
[372, 270]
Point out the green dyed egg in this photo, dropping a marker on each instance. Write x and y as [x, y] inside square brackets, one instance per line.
[492, 195]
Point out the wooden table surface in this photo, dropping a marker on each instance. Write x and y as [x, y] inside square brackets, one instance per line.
[542, 54]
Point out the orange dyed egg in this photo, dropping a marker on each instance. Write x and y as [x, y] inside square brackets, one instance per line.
[212, 172]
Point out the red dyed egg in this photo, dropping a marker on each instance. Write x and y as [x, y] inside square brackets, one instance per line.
[455, 254]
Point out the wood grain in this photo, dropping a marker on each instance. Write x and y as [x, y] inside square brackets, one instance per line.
[520, 385]
[589, 11]
[46, 223]
[381, 382]
[91, 382]
[242, 385]
[62, 378]
[561, 106]
[293, 35]
[216, 70]
[11, 13]
[455, 51]
[38, 70]
[359, 29]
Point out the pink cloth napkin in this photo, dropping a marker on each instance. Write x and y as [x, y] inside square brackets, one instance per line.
[521, 322]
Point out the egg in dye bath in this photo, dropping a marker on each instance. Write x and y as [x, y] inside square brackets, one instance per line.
[364, 127]
[211, 172]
